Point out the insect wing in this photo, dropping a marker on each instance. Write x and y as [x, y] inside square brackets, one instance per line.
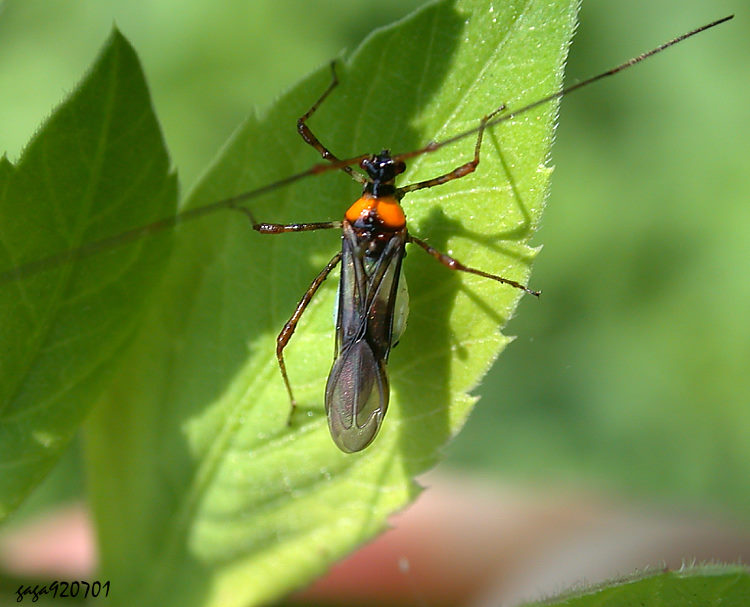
[357, 391]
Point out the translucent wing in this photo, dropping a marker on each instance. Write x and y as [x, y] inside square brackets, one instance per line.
[357, 390]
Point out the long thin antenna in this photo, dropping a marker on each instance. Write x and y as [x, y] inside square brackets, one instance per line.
[565, 91]
[123, 238]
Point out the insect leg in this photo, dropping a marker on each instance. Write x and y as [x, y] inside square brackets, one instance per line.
[460, 171]
[281, 228]
[312, 140]
[454, 264]
[286, 333]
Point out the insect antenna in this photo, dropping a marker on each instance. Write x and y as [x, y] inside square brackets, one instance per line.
[58, 259]
[510, 113]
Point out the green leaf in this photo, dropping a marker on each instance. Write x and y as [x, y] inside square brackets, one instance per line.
[725, 585]
[202, 493]
[97, 167]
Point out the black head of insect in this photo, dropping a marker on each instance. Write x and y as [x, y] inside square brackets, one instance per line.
[382, 170]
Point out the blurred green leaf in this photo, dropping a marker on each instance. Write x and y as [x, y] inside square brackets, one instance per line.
[95, 168]
[725, 585]
[202, 493]
[631, 374]
[205, 67]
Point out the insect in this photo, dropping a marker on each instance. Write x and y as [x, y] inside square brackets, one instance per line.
[372, 304]
[372, 301]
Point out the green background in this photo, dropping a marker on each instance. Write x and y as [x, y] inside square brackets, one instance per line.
[631, 371]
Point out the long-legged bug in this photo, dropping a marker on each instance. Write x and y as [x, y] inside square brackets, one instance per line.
[371, 305]
[371, 308]
[381, 270]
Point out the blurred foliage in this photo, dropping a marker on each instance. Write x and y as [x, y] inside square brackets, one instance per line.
[699, 585]
[208, 64]
[632, 369]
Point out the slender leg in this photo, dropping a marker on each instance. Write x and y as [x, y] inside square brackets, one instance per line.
[458, 172]
[281, 228]
[288, 330]
[286, 333]
[454, 264]
[312, 140]
[278, 228]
